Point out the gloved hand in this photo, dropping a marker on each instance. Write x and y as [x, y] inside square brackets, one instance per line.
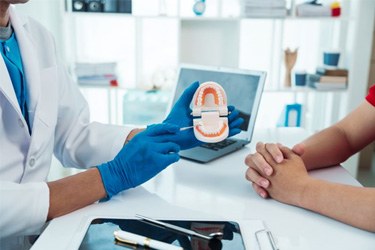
[234, 121]
[148, 153]
[180, 115]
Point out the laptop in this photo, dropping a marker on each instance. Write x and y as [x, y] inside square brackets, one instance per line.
[244, 89]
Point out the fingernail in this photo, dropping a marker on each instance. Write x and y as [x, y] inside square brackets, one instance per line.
[264, 183]
[279, 159]
[268, 170]
[263, 194]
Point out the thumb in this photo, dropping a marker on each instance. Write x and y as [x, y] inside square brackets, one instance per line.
[287, 152]
[188, 94]
[299, 149]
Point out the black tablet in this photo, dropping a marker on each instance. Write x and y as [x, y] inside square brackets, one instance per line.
[100, 234]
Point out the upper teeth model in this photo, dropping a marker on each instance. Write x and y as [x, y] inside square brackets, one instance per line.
[210, 113]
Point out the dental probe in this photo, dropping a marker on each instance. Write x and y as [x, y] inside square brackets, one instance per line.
[186, 128]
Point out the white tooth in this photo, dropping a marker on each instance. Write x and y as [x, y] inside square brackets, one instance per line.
[203, 129]
[220, 98]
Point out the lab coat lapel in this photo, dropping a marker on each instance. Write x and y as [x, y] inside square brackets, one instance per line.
[29, 60]
[6, 87]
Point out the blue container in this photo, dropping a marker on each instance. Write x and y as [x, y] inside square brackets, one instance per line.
[300, 78]
[331, 58]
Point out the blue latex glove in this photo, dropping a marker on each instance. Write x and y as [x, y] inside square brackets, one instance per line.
[234, 121]
[148, 153]
[180, 115]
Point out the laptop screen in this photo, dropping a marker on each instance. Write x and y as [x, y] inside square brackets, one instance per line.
[243, 88]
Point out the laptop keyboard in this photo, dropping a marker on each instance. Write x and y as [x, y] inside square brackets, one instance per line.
[218, 145]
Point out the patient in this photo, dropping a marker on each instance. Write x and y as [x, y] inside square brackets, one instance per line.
[281, 173]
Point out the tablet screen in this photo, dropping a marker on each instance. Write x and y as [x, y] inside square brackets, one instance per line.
[100, 234]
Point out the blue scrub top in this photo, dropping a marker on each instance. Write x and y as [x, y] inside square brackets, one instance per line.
[10, 52]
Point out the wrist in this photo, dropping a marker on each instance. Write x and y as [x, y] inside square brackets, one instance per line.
[109, 179]
[306, 193]
[115, 178]
[133, 133]
[103, 171]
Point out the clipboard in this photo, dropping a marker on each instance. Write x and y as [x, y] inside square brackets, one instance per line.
[238, 234]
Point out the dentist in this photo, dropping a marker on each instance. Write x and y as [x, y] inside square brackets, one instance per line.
[43, 113]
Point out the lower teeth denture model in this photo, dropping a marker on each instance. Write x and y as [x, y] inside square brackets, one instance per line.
[210, 113]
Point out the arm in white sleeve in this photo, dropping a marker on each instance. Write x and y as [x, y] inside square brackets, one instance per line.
[23, 208]
[79, 143]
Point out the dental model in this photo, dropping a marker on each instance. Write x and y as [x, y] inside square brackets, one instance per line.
[210, 113]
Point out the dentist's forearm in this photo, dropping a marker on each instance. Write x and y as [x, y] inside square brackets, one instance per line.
[74, 192]
[349, 204]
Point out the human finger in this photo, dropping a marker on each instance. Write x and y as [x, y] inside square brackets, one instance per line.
[275, 152]
[253, 176]
[166, 148]
[261, 148]
[161, 129]
[231, 108]
[260, 191]
[234, 131]
[233, 113]
[287, 152]
[256, 161]
[299, 149]
[168, 159]
[188, 94]
[236, 123]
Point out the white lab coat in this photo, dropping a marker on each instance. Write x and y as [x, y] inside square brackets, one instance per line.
[59, 118]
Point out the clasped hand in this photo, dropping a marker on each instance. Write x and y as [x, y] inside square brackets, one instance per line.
[278, 172]
[180, 115]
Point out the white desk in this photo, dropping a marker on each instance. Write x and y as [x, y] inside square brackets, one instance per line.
[219, 190]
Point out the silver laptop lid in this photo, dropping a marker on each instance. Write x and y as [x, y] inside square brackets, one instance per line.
[243, 88]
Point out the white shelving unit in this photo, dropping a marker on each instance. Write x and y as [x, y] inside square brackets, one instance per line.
[150, 46]
[216, 39]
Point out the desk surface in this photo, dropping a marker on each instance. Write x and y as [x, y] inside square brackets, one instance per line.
[219, 190]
